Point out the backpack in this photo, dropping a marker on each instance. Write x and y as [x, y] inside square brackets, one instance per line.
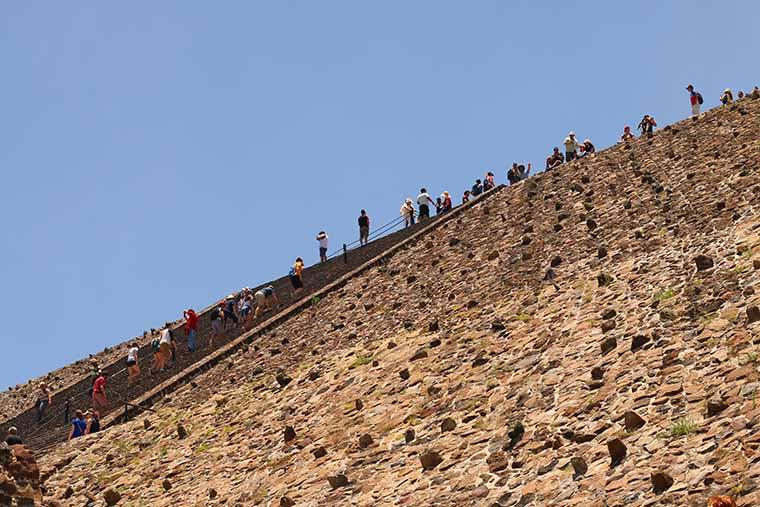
[292, 271]
[699, 98]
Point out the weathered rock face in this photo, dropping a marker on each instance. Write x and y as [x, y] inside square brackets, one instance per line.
[550, 407]
[19, 476]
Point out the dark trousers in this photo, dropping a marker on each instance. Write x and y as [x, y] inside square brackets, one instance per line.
[570, 155]
[424, 211]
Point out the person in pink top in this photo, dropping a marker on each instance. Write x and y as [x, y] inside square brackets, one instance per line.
[99, 399]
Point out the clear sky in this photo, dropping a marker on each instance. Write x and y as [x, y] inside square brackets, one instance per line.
[158, 155]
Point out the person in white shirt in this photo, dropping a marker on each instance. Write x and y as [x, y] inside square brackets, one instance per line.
[423, 201]
[571, 147]
[133, 370]
[323, 242]
[407, 211]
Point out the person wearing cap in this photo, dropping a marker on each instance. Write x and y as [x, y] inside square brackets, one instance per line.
[571, 147]
[466, 197]
[647, 124]
[266, 299]
[587, 148]
[191, 328]
[363, 227]
[323, 244]
[229, 311]
[627, 135]
[12, 437]
[423, 202]
[695, 99]
[44, 399]
[407, 211]
[727, 97]
[92, 417]
[555, 159]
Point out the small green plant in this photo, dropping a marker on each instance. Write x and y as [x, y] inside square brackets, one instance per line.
[360, 360]
[202, 448]
[315, 300]
[682, 427]
[752, 357]
[523, 317]
[664, 295]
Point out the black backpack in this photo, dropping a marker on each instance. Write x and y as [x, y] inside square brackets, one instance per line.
[699, 98]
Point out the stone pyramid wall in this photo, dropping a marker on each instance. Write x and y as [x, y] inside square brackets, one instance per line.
[587, 337]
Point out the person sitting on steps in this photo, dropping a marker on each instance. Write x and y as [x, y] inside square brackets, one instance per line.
[555, 159]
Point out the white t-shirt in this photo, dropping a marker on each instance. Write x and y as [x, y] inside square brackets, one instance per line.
[132, 354]
[423, 199]
[166, 337]
[571, 144]
[322, 241]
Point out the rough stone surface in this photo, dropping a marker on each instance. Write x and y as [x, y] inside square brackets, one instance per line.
[538, 404]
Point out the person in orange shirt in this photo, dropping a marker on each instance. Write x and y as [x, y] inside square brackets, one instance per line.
[296, 276]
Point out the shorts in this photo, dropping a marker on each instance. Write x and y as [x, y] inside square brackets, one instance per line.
[322, 251]
[570, 155]
[424, 211]
[296, 282]
[363, 232]
[245, 311]
[216, 326]
[261, 298]
[166, 350]
[131, 363]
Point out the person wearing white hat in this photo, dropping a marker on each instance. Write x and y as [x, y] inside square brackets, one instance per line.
[407, 211]
[727, 96]
[571, 147]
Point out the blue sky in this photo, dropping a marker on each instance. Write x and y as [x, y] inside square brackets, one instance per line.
[158, 155]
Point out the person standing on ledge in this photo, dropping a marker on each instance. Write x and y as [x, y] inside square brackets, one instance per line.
[571, 147]
[363, 228]
[423, 200]
[191, 328]
[446, 202]
[296, 276]
[44, 399]
[407, 211]
[695, 98]
[99, 399]
[133, 370]
[323, 245]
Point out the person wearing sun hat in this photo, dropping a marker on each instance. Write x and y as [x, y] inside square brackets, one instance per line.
[407, 211]
[571, 147]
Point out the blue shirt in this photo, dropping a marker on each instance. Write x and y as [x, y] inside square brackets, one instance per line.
[80, 425]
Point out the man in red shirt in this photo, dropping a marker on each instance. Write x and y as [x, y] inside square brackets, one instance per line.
[99, 399]
[191, 328]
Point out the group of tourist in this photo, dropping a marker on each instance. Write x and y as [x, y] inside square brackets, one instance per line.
[241, 309]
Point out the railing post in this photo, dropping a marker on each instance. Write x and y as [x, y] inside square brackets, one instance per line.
[126, 411]
[345, 254]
